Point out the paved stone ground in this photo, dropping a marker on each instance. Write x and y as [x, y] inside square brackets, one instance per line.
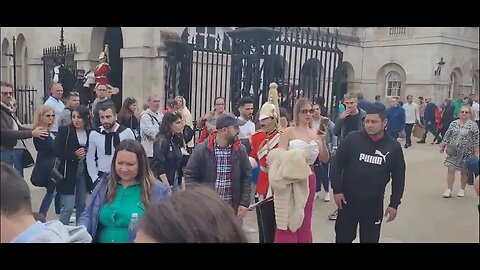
[423, 216]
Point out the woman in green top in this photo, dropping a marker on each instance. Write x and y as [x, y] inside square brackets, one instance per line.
[120, 198]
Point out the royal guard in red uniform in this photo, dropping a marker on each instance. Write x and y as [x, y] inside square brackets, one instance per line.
[263, 141]
[102, 69]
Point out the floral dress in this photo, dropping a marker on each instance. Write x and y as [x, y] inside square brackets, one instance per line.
[465, 138]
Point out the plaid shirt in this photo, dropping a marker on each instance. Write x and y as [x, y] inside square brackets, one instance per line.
[223, 183]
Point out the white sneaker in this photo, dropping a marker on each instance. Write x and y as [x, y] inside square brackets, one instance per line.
[73, 219]
[447, 193]
[327, 197]
[461, 193]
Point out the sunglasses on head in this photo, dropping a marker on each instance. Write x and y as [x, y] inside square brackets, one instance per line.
[305, 111]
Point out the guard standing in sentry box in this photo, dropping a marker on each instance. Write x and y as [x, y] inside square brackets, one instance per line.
[366, 160]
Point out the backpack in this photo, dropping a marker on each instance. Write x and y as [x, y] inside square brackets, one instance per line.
[152, 118]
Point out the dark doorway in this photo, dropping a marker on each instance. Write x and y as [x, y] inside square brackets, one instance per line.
[113, 37]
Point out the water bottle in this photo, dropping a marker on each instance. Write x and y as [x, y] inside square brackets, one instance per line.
[132, 227]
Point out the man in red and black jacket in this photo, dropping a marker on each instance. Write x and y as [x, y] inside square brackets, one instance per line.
[221, 162]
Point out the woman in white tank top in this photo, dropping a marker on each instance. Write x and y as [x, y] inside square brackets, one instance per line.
[303, 136]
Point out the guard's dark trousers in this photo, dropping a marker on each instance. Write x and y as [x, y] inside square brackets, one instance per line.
[266, 222]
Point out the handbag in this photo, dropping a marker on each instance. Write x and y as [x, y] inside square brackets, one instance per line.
[451, 150]
[55, 174]
[188, 133]
[27, 158]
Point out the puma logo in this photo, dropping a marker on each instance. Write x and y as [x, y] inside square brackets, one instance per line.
[377, 152]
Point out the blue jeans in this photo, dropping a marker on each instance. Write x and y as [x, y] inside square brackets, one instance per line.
[394, 134]
[14, 158]
[473, 170]
[47, 200]
[321, 173]
[76, 201]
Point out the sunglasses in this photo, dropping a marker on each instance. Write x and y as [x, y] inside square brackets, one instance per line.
[305, 111]
[50, 115]
[74, 94]
[464, 112]
[7, 93]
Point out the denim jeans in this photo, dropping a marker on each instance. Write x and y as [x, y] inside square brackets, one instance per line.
[14, 158]
[76, 201]
[473, 169]
[322, 176]
[394, 134]
[47, 200]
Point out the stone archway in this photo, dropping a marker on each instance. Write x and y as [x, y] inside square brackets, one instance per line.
[21, 55]
[386, 85]
[5, 68]
[114, 38]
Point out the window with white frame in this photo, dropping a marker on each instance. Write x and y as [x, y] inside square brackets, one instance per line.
[451, 86]
[206, 37]
[474, 85]
[393, 84]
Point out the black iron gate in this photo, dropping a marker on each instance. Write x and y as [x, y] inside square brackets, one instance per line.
[302, 61]
[25, 97]
[54, 56]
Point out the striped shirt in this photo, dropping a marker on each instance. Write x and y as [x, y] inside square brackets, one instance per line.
[223, 183]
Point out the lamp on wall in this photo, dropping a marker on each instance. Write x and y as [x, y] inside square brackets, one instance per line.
[439, 67]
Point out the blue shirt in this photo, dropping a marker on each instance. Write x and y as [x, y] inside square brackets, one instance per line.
[29, 233]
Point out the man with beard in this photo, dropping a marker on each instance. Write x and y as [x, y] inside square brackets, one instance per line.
[245, 107]
[262, 142]
[365, 162]
[221, 162]
[102, 142]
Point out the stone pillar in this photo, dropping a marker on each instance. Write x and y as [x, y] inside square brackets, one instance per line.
[35, 78]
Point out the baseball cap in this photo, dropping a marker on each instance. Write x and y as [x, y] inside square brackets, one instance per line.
[229, 120]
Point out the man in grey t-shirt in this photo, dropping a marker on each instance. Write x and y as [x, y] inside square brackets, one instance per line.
[73, 101]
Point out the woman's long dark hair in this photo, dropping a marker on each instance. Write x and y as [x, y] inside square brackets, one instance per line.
[84, 114]
[125, 112]
[144, 176]
[165, 129]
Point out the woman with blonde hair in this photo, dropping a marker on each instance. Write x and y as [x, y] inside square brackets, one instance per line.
[302, 136]
[459, 143]
[187, 119]
[45, 118]
[120, 198]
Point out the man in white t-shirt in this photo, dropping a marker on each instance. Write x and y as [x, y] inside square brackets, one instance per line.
[245, 107]
[55, 101]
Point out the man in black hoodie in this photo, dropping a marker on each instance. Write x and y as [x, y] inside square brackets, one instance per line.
[365, 162]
